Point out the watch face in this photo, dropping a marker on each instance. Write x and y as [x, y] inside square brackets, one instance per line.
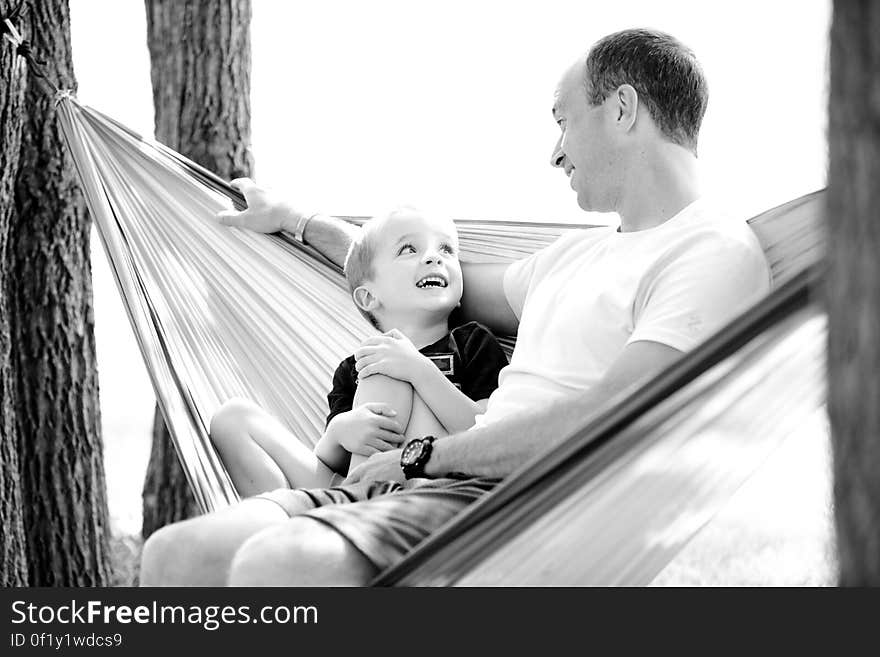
[411, 452]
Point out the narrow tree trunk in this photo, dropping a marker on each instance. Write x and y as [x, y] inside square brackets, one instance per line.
[167, 497]
[50, 295]
[13, 556]
[200, 64]
[853, 289]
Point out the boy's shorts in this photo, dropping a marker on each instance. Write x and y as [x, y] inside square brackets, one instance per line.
[385, 519]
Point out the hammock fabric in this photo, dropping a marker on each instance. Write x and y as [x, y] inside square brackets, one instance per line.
[221, 312]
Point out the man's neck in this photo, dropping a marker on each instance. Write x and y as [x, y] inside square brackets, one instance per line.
[420, 331]
[664, 181]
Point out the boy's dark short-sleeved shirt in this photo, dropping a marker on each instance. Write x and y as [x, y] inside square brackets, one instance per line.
[469, 355]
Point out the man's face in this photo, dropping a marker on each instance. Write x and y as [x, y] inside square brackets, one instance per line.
[585, 149]
[416, 268]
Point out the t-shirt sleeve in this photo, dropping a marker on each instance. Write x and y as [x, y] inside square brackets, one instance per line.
[341, 398]
[482, 358]
[695, 293]
[517, 279]
[519, 274]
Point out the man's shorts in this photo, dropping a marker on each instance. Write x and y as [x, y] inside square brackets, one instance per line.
[385, 519]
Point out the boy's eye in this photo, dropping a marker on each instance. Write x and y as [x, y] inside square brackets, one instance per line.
[448, 248]
[406, 248]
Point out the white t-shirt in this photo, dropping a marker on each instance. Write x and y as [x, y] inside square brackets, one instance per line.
[582, 299]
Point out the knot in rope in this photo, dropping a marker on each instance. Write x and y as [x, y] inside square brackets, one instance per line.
[22, 45]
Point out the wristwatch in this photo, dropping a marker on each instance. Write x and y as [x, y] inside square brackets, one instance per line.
[415, 455]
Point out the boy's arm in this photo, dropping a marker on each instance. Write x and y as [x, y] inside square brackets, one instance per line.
[394, 355]
[481, 361]
[455, 410]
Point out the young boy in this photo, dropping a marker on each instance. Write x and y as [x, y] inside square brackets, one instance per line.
[417, 378]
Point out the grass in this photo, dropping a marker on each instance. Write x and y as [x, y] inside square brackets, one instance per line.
[125, 557]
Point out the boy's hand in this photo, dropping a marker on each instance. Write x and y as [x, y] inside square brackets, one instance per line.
[391, 354]
[264, 213]
[368, 429]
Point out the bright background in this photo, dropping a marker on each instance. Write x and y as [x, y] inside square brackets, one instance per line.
[357, 106]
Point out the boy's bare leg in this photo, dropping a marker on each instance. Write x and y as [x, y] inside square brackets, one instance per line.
[199, 551]
[422, 421]
[259, 452]
[380, 388]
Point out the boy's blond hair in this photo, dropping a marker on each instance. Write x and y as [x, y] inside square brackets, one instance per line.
[358, 265]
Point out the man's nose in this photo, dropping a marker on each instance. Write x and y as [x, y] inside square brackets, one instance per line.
[557, 158]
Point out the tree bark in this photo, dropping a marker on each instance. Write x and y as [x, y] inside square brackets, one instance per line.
[49, 292]
[13, 555]
[200, 53]
[853, 287]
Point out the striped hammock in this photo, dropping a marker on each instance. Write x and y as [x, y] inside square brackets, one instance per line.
[222, 312]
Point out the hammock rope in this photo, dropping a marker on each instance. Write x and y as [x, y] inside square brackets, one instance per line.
[23, 46]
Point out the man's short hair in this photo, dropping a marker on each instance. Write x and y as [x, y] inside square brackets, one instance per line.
[662, 70]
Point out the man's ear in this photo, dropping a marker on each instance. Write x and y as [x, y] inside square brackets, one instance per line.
[364, 298]
[627, 106]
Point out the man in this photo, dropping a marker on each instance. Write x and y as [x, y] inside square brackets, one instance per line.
[597, 313]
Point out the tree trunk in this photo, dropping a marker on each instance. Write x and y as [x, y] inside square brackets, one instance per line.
[49, 291]
[200, 54]
[13, 556]
[167, 497]
[853, 288]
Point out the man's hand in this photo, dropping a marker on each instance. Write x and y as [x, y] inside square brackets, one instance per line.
[391, 354]
[383, 466]
[264, 214]
[367, 429]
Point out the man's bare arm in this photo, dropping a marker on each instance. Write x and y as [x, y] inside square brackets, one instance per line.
[500, 448]
[484, 300]
[267, 214]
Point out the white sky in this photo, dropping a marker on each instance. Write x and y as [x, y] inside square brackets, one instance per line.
[358, 106]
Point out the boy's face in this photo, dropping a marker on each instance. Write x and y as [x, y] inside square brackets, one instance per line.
[415, 269]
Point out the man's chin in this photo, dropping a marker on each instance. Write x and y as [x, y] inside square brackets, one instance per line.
[584, 203]
[587, 204]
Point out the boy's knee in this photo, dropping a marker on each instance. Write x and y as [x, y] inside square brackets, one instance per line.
[232, 417]
[301, 552]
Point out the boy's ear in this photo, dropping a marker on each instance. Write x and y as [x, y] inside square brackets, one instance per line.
[364, 298]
